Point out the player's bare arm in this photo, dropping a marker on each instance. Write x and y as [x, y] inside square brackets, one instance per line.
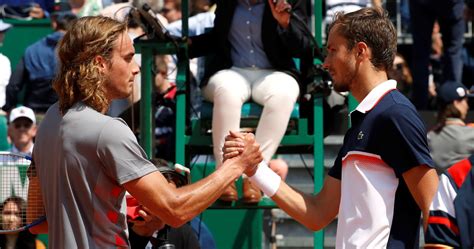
[422, 181]
[313, 211]
[177, 206]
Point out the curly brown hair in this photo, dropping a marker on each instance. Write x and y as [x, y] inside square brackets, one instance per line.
[373, 27]
[79, 76]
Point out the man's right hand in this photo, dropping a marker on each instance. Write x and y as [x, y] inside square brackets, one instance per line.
[233, 145]
[247, 149]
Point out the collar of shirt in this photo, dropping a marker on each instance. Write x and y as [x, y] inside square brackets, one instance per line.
[16, 150]
[455, 121]
[375, 95]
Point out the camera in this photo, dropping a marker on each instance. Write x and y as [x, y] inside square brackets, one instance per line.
[319, 81]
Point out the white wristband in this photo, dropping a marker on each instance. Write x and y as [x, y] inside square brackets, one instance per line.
[266, 180]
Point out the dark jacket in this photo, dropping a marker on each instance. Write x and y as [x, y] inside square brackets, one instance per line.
[280, 46]
[35, 73]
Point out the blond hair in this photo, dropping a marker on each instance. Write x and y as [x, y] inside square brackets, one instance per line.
[79, 76]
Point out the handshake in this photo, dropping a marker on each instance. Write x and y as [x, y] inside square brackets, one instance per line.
[242, 148]
[244, 152]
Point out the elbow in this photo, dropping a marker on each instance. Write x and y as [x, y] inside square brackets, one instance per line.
[176, 220]
[175, 215]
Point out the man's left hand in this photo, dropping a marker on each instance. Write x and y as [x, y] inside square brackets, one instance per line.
[280, 12]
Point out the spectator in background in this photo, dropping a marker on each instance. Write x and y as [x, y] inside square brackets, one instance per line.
[172, 10]
[451, 212]
[451, 140]
[13, 216]
[37, 68]
[5, 66]
[423, 14]
[199, 23]
[22, 130]
[165, 110]
[401, 73]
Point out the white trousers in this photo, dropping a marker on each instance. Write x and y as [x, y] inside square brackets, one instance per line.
[228, 89]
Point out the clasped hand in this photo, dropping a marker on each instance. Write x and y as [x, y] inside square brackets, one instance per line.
[245, 148]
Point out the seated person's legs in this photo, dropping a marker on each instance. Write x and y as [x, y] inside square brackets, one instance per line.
[277, 92]
[228, 90]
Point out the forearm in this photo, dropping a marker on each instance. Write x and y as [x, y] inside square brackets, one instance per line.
[313, 211]
[177, 206]
[197, 197]
[297, 205]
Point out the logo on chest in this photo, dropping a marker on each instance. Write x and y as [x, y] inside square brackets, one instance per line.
[360, 136]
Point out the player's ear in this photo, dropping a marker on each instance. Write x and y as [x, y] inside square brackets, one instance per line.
[361, 49]
[101, 62]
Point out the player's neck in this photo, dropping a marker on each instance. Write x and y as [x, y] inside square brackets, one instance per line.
[364, 83]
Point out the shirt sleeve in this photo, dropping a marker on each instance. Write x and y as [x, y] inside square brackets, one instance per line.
[404, 144]
[120, 153]
[442, 226]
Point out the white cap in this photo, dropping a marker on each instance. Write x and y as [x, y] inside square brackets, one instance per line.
[22, 112]
[4, 26]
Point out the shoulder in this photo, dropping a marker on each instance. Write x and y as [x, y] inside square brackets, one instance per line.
[115, 130]
[396, 113]
[396, 106]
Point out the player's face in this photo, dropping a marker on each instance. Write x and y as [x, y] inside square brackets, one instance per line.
[122, 69]
[340, 62]
[11, 217]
